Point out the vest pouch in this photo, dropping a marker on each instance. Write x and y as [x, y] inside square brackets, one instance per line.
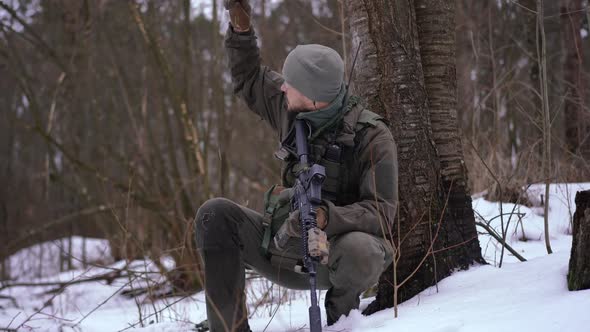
[331, 185]
[290, 258]
[277, 205]
[281, 212]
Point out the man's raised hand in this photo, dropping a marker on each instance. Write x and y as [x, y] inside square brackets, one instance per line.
[239, 14]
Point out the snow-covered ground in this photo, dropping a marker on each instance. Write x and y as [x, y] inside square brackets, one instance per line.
[519, 296]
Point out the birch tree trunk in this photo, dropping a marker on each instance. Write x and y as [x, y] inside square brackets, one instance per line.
[390, 76]
[436, 32]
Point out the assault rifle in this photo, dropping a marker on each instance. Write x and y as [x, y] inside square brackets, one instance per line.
[307, 198]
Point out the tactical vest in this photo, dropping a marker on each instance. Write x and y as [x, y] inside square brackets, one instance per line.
[338, 159]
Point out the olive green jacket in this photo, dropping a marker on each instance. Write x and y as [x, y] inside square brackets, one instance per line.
[371, 174]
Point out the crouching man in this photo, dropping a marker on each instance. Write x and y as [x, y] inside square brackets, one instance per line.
[359, 194]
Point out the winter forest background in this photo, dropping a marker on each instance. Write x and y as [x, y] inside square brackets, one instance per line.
[117, 118]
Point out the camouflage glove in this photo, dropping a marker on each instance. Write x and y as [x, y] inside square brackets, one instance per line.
[239, 14]
[317, 241]
[318, 245]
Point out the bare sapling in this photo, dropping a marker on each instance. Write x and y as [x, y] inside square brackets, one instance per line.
[542, 58]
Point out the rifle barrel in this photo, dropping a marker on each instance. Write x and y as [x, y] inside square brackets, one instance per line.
[307, 197]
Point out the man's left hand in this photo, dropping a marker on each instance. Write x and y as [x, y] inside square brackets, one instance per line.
[318, 245]
[292, 226]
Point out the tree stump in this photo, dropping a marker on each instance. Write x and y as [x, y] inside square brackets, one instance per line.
[578, 276]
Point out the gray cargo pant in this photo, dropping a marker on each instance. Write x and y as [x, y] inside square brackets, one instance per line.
[228, 237]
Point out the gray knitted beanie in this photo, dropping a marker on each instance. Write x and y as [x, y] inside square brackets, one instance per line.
[316, 71]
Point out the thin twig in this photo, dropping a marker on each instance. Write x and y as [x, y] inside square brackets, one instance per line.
[105, 301]
[428, 252]
[159, 311]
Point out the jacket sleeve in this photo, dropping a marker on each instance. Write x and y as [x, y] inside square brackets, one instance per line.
[257, 85]
[375, 211]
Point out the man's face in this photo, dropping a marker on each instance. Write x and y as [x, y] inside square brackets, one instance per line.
[296, 101]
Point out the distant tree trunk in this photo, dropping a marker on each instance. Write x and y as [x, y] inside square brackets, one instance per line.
[578, 276]
[4, 258]
[6, 172]
[390, 76]
[262, 27]
[531, 102]
[218, 104]
[577, 123]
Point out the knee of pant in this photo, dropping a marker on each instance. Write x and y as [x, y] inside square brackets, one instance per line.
[356, 260]
[213, 228]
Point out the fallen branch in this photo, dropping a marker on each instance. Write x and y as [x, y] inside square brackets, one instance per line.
[7, 329]
[108, 277]
[12, 299]
[13, 245]
[498, 238]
